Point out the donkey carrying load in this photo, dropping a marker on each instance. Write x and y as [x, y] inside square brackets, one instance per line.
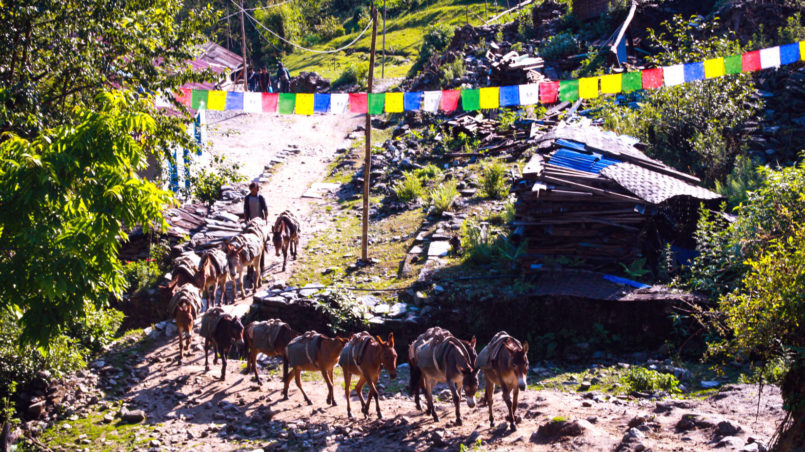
[185, 267]
[212, 274]
[269, 338]
[505, 363]
[184, 306]
[438, 356]
[285, 235]
[220, 331]
[364, 355]
[245, 251]
[313, 351]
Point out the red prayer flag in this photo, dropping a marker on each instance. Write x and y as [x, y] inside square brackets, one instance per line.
[358, 102]
[652, 78]
[270, 102]
[750, 61]
[184, 96]
[548, 92]
[450, 99]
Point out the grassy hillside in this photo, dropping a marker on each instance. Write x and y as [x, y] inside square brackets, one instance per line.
[403, 38]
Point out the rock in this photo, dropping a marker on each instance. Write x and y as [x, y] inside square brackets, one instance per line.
[728, 428]
[731, 442]
[35, 409]
[585, 386]
[97, 364]
[751, 447]
[690, 421]
[131, 416]
[155, 443]
[557, 428]
[170, 330]
[439, 248]
[437, 438]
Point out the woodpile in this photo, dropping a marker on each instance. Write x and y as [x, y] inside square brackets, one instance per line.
[590, 197]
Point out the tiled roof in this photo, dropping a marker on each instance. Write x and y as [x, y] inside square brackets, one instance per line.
[654, 187]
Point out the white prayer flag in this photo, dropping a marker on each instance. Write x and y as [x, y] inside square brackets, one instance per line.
[529, 94]
[770, 57]
[339, 103]
[674, 75]
[253, 102]
[431, 100]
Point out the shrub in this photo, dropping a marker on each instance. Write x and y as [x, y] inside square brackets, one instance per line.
[442, 196]
[454, 69]
[434, 42]
[743, 180]
[482, 247]
[344, 312]
[205, 184]
[647, 380]
[560, 45]
[506, 119]
[493, 181]
[409, 188]
[428, 172]
[353, 74]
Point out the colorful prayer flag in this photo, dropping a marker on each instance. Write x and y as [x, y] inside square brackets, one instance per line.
[216, 100]
[412, 101]
[395, 103]
[652, 78]
[489, 98]
[611, 84]
[789, 53]
[321, 103]
[549, 92]
[750, 61]
[339, 103]
[568, 90]
[509, 96]
[714, 67]
[470, 99]
[304, 104]
[431, 101]
[376, 102]
[769, 57]
[270, 101]
[286, 103]
[732, 64]
[358, 103]
[449, 99]
[199, 99]
[694, 71]
[588, 87]
[184, 96]
[253, 102]
[529, 94]
[802, 50]
[633, 81]
[673, 75]
[234, 101]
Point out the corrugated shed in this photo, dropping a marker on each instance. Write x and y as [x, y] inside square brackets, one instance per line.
[654, 187]
[590, 163]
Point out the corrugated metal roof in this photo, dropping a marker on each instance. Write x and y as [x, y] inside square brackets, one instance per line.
[590, 163]
[652, 186]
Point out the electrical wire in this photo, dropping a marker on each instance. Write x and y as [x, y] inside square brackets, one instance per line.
[297, 45]
[255, 9]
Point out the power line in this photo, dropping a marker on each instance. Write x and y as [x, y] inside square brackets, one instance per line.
[297, 45]
[255, 9]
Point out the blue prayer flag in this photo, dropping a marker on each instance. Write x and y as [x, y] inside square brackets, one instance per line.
[234, 100]
[789, 53]
[694, 71]
[509, 96]
[412, 101]
[321, 103]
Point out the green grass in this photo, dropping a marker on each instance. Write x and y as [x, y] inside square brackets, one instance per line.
[102, 436]
[403, 38]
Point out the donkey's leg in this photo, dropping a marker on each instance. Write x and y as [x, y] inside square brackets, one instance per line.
[286, 381]
[332, 383]
[223, 351]
[285, 369]
[330, 387]
[514, 404]
[253, 362]
[373, 391]
[428, 390]
[490, 391]
[456, 399]
[359, 390]
[206, 350]
[295, 248]
[347, 381]
[189, 337]
[284, 254]
[507, 397]
[240, 280]
[298, 381]
[181, 344]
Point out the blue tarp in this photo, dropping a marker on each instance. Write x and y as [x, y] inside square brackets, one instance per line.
[581, 162]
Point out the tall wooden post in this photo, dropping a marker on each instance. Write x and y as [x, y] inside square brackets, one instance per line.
[243, 48]
[367, 165]
[383, 63]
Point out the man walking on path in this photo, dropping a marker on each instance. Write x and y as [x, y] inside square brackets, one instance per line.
[283, 79]
[265, 81]
[254, 205]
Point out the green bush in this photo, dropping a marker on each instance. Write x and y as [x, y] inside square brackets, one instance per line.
[481, 246]
[442, 196]
[560, 45]
[428, 172]
[434, 42]
[409, 188]
[506, 119]
[452, 70]
[343, 310]
[353, 74]
[493, 181]
[647, 380]
[205, 184]
[743, 180]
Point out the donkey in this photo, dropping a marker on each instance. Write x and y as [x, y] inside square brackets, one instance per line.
[184, 306]
[211, 275]
[244, 251]
[438, 356]
[285, 235]
[220, 332]
[269, 338]
[259, 227]
[505, 363]
[185, 267]
[313, 351]
[364, 355]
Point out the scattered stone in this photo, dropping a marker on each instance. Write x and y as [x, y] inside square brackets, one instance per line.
[131, 416]
[560, 428]
[731, 442]
[728, 428]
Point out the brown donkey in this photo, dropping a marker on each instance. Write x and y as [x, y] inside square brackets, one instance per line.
[242, 252]
[185, 267]
[438, 356]
[364, 355]
[220, 331]
[285, 234]
[184, 306]
[211, 275]
[505, 363]
[313, 351]
[269, 338]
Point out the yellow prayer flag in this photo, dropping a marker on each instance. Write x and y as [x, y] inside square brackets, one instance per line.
[394, 103]
[490, 97]
[714, 68]
[611, 84]
[304, 104]
[588, 87]
[802, 50]
[216, 100]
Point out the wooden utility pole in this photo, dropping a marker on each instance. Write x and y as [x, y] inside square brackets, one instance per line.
[243, 48]
[367, 164]
[383, 64]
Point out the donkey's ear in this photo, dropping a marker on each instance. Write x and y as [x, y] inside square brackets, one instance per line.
[391, 340]
[525, 347]
[472, 342]
[379, 340]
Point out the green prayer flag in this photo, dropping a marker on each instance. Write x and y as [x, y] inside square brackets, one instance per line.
[376, 103]
[632, 81]
[199, 98]
[568, 90]
[471, 99]
[287, 102]
[732, 64]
